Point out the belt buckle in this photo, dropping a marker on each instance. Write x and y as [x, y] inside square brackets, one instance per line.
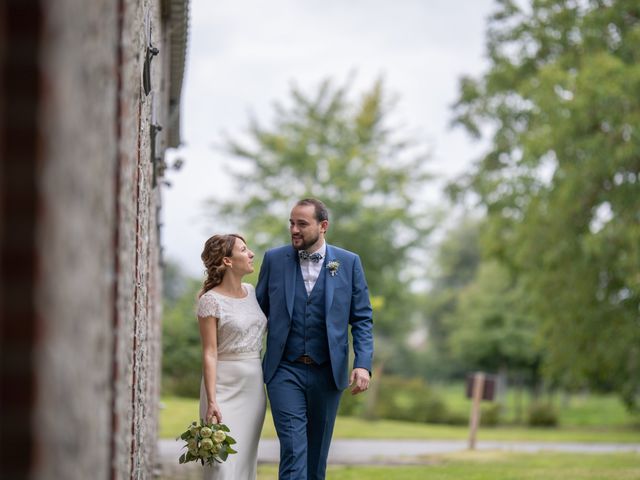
[306, 359]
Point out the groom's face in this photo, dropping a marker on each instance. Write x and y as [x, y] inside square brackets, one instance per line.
[306, 232]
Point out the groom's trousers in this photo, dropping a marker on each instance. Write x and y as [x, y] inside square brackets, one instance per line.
[304, 403]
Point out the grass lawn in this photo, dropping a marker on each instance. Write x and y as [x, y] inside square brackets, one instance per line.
[494, 466]
[177, 413]
[574, 409]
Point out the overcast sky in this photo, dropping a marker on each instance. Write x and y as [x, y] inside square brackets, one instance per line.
[244, 54]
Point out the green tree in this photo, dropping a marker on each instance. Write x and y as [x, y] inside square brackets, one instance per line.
[560, 182]
[181, 351]
[491, 328]
[346, 153]
[174, 282]
[454, 265]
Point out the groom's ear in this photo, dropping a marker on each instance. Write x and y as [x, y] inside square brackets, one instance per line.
[324, 226]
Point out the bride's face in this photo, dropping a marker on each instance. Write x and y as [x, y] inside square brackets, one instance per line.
[241, 258]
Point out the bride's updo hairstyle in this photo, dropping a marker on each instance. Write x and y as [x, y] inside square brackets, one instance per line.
[215, 249]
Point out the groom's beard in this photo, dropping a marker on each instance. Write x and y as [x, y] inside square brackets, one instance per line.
[306, 243]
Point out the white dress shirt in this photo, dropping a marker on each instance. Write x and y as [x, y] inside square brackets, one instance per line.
[311, 270]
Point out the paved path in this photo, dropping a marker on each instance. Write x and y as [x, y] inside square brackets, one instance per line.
[353, 452]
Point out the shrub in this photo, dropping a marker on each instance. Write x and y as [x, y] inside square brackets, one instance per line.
[352, 405]
[409, 400]
[181, 350]
[456, 418]
[490, 414]
[542, 414]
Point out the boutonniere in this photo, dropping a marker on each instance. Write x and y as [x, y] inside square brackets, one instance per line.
[333, 267]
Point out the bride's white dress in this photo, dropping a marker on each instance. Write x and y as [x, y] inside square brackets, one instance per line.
[239, 387]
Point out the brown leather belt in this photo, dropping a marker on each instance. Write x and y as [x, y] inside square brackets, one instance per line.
[306, 359]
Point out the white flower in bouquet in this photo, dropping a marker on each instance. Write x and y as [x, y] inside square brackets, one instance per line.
[206, 443]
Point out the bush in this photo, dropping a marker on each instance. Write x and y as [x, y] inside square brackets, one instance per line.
[490, 414]
[406, 399]
[542, 414]
[181, 350]
[456, 418]
[352, 405]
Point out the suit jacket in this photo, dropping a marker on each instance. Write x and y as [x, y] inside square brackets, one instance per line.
[346, 303]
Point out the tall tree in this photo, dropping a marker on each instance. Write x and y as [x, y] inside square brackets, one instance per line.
[454, 265]
[491, 327]
[561, 180]
[346, 153]
[181, 350]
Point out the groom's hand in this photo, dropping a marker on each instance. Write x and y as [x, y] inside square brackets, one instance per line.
[359, 379]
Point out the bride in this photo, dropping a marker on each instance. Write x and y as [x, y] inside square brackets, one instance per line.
[231, 329]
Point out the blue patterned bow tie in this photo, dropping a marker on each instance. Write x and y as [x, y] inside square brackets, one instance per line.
[312, 257]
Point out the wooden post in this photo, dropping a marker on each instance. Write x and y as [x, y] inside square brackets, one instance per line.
[474, 420]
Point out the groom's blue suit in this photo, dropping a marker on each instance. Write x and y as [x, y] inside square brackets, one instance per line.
[304, 397]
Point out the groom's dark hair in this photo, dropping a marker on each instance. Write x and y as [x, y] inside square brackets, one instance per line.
[320, 208]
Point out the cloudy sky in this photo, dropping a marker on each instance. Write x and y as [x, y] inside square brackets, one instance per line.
[245, 54]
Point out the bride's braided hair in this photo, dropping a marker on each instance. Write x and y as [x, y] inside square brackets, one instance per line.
[215, 249]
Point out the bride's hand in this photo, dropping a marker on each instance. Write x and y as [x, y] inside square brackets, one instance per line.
[213, 411]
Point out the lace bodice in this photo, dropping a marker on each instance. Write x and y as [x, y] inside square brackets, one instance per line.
[241, 323]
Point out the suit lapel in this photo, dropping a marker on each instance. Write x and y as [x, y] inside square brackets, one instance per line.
[290, 270]
[329, 282]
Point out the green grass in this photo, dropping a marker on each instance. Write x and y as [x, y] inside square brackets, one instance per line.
[179, 412]
[494, 466]
[347, 427]
[575, 410]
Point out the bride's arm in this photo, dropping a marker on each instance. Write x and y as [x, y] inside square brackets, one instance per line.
[208, 335]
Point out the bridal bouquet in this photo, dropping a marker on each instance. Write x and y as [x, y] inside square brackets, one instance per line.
[206, 443]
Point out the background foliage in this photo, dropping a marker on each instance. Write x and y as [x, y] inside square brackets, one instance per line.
[560, 182]
[540, 281]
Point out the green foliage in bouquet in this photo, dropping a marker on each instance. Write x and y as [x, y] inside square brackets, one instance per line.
[206, 443]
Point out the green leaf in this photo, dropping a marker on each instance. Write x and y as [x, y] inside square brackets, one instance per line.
[559, 185]
[229, 440]
[224, 454]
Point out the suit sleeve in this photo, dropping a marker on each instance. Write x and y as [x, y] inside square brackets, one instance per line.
[262, 288]
[361, 319]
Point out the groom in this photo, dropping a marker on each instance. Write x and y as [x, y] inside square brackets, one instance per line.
[311, 292]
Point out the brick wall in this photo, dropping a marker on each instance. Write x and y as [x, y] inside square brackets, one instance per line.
[80, 297]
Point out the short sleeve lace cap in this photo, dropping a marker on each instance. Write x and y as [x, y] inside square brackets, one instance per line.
[240, 321]
[208, 306]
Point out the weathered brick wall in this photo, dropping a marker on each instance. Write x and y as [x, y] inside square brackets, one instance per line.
[75, 240]
[135, 409]
[84, 378]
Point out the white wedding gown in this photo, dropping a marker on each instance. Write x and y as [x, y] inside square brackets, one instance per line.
[240, 390]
